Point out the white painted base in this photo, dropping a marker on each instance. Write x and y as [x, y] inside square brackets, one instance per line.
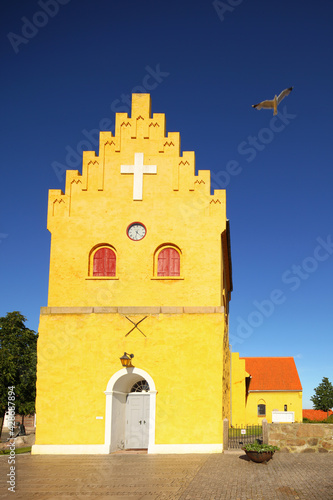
[69, 449]
[102, 449]
[185, 448]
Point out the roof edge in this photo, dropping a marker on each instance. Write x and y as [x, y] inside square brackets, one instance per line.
[276, 390]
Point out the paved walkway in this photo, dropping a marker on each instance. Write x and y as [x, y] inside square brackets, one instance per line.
[307, 476]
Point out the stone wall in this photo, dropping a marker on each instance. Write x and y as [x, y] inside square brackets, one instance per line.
[301, 437]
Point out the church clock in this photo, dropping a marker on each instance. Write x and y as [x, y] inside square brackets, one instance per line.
[136, 231]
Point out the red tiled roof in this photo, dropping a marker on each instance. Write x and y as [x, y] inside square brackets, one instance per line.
[316, 414]
[273, 374]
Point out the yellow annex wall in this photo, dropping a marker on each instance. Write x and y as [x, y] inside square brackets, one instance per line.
[176, 326]
[238, 390]
[274, 400]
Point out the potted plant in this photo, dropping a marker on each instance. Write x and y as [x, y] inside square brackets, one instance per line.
[260, 452]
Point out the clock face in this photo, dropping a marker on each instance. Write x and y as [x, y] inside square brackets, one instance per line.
[136, 231]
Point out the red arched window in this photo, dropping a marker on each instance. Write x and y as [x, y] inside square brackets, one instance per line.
[104, 262]
[168, 263]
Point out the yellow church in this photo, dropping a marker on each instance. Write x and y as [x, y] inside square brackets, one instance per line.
[140, 264]
[133, 348]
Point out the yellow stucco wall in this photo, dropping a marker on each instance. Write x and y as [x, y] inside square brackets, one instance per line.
[274, 400]
[186, 351]
[238, 373]
[78, 355]
[98, 206]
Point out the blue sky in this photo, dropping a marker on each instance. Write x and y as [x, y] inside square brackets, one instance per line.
[68, 65]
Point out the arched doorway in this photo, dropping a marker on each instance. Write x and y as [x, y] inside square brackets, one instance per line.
[130, 410]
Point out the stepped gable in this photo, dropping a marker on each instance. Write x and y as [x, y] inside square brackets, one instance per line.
[146, 135]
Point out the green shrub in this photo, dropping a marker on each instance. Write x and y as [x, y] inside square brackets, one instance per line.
[260, 448]
[328, 420]
[17, 451]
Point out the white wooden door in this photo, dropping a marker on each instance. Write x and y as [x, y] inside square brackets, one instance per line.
[137, 420]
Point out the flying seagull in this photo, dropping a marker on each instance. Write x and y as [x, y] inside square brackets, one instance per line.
[273, 104]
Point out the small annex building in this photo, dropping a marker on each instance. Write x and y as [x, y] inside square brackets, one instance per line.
[262, 386]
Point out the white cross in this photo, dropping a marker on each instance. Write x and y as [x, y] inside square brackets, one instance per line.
[138, 169]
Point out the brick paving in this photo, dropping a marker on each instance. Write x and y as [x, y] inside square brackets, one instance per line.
[304, 476]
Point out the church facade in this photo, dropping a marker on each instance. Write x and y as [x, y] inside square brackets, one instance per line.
[140, 264]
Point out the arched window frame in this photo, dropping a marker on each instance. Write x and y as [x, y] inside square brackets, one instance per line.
[140, 386]
[156, 257]
[92, 254]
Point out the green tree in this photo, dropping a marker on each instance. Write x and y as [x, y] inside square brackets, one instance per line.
[18, 361]
[323, 397]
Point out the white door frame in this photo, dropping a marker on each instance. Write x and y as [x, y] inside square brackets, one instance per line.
[117, 385]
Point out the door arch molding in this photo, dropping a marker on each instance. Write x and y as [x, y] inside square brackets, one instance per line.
[117, 389]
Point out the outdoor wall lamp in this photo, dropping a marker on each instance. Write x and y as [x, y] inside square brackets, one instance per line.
[126, 360]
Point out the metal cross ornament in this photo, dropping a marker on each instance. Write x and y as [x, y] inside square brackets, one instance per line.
[135, 326]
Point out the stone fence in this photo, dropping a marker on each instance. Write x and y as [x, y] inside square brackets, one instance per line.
[298, 437]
